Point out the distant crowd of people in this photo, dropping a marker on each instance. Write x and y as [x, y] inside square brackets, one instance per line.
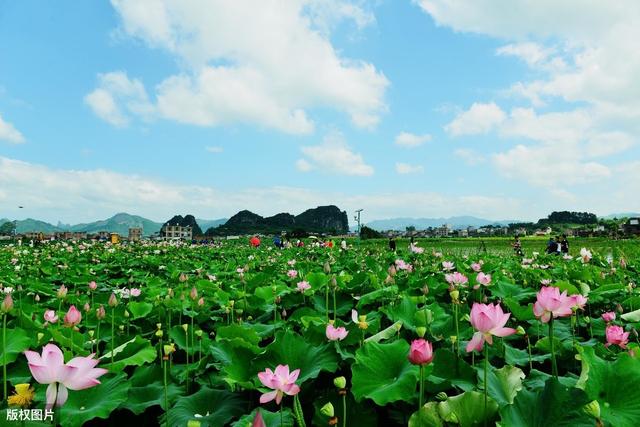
[559, 245]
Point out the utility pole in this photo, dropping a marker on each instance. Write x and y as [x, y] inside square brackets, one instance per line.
[357, 218]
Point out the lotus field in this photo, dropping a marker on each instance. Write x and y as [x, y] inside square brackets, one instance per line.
[234, 335]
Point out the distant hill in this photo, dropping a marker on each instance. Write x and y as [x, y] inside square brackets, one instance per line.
[323, 219]
[457, 222]
[622, 215]
[185, 221]
[119, 223]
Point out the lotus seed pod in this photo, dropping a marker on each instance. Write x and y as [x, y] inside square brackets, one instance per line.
[328, 410]
[442, 396]
[421, 330]
[340, 382]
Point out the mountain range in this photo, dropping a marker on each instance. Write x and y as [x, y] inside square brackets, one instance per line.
[119, 223]
[456, 222]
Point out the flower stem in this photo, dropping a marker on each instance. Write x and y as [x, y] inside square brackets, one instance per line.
[529, 349]
[166, 394]
[186, 337]
[334, 305]
[421, 387]
[554, 366]
[344, 410]
[326, 301]
[4, 357]
[113, 331]
[486, 384]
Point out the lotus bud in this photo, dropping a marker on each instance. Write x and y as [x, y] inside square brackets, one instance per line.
[126, 314]
[327, 410]
[62, 291]
[183, 277]
[37, 298]
[326, 267]
[340, 382]
[593, 409]
[194, 293]
[113, 301]
[100, 312]
[86, 307]
[442, 396]
[93, 285]
[232, 302]
[334, 282]
[421, 330]
[7, 304]
[425, 290]
[201, 302]
[284, 313]
[170, 293]
[392, 270]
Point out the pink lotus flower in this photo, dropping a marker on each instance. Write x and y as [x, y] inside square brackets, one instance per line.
[482, 279]
[421, 352]
[49, 368]
[258, 421]
[135, 292]
[456, 278]
[545, 282]
[437, 254]
[585, 255]
[7, 303]
[550, 302]
[447, 265]
[416, 249]
[193, 294]
[100, 312]
[62, 291]
[291, 262]
[93, 285]
[401, 265]
[50, 316]
[201, 302]
[488, 320]
[579, 301]
[303, 286]
[292, 274]
[73, 317]
[336, 334]
[616, 336]
[281, 382]
[86, 307]
[609, 316]
[476, 267]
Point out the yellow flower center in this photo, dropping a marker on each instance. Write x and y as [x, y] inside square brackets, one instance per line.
[22, 397]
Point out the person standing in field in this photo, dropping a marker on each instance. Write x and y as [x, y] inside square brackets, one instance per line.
[392, 244]
[517, 246]
[564, 244]
[552, 246]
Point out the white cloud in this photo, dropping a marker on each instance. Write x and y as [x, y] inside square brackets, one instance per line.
[334, 156]
[410, 140]
[406, 168]
[242, 66]
[9, 133]
[88, 195]
[480, 118]
[117, 98]
[584, 61]
[214, 149]
[470, 157]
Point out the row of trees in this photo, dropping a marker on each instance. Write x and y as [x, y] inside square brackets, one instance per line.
[8, 228]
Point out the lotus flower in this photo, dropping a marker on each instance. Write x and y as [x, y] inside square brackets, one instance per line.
[616, 336]
[62, 291]
[476, 267]
[421, 352]
[609, 316]
[7, 304]
[550, 302]
[93, 285]
[416, 249]
[73, 317]
[135, 292]
[488, 320]
[360, 320]
[482, 279]
[447, 265]
[585, 255]
[579, 301]
[456, 278]
[281, 382]
[49, 368]
[50, 316]
[257, 420]
[292, 274]
[303, 286]
[336, 334]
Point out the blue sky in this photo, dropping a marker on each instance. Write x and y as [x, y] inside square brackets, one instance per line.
[403, 108]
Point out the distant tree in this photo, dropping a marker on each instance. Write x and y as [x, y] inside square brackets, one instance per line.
[410, 229]
[7, 229]
[566, 217]
[369, 233]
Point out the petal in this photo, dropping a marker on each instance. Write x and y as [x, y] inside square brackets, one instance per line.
[295, 389]
[41, 374]
[354, 316]
[278, 397]
[268, 397]
[546, 316]
[51, 395]
[475, 343]
[266, 378]
[63, 394]
[537, 309]
[33, 357]
[503, 332]
[293, 376]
